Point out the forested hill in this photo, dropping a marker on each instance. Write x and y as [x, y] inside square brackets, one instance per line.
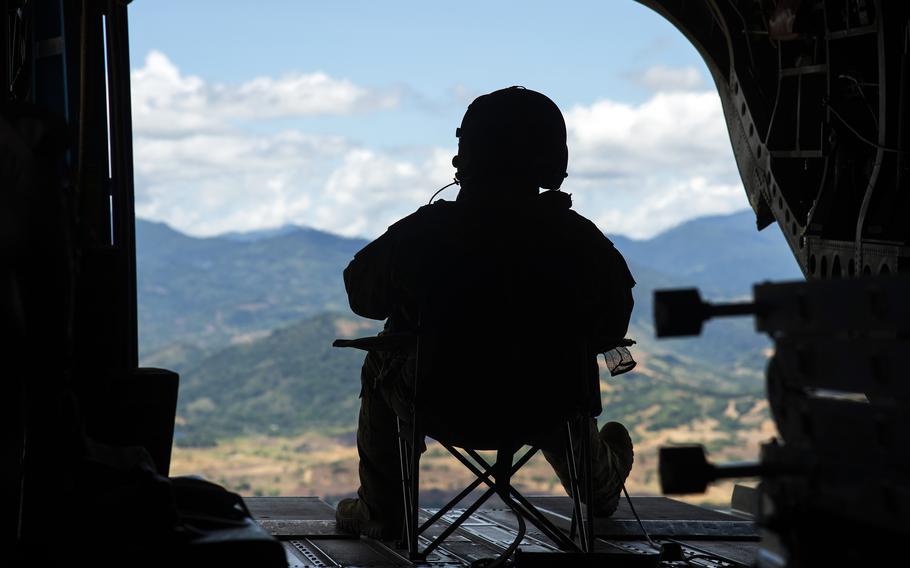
[293, 381]
[248, 320]
[210, 291]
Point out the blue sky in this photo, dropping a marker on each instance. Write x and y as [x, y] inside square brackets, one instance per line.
[576, 52]
[341, 115]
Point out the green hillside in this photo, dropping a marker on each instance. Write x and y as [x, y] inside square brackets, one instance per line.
[248, 321]
[211, 291]
[287, 382]
[293, 381]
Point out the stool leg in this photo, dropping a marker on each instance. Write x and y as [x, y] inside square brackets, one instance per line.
[573, 482]
[405, 464]
[415, 488]
[573, 527]
[588, 482]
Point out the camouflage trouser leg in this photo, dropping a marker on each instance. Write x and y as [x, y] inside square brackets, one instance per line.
[606, 471]
[377, 446]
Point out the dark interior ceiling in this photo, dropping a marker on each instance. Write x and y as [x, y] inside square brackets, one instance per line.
[815, 98]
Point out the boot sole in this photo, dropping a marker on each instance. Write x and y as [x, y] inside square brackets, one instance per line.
[364, 528]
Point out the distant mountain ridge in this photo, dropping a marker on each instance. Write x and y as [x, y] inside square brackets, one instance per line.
[714, 251]
[211, 291]
[259, 234]
[248, 320]
[724, 254]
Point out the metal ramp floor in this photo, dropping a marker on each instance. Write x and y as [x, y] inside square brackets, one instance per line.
[306, 527]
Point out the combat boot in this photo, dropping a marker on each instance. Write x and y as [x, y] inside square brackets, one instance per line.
[353, 516]
[616, 440]
[611, 460]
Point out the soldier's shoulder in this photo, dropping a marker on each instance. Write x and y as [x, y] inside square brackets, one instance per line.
[559, 204]
[428, 215]
[586, 228]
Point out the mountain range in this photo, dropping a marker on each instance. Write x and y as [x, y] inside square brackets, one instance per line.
[211, 291]
[248, 320]
[724, 255]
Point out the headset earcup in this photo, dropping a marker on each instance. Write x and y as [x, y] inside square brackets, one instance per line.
[459, 162]
[553, 170]
[455, 162]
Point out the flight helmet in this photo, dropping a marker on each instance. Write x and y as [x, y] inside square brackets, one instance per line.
[512, 134]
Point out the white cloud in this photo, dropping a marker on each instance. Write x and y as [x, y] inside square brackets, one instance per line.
[669, 130]
[298, 94]
[669, 205]
[166, 102]
[640, 169]
[370, 191]
[663, 79]
[633, 169]
[201, 170]
[208, 183]
[213, 183]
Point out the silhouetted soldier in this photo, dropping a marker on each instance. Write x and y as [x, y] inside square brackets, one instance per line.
[555, 268]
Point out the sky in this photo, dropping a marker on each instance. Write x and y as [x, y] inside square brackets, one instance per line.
[341, 115]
